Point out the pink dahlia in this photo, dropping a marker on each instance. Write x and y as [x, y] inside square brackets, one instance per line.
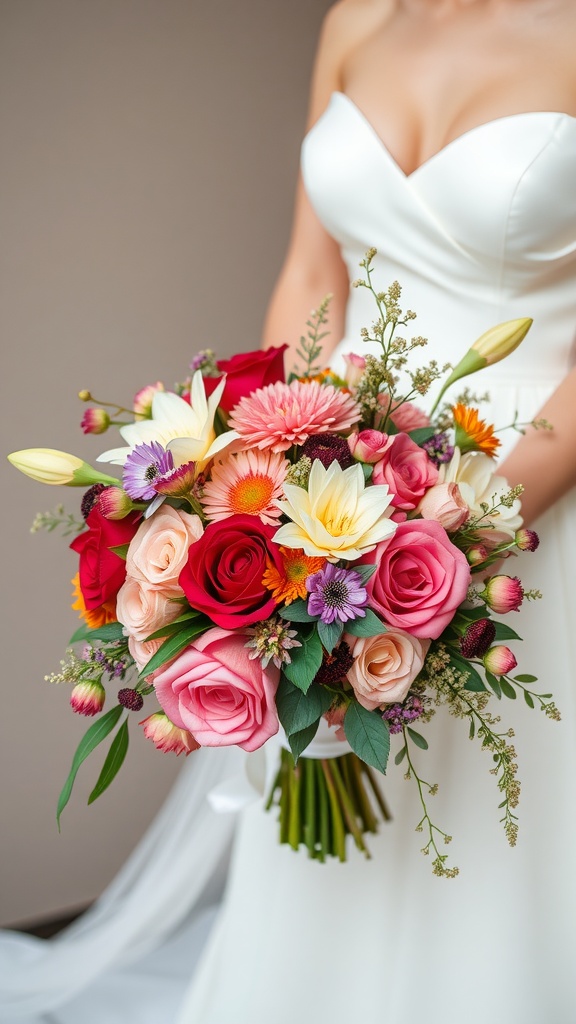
[281, 415]
[250, 483]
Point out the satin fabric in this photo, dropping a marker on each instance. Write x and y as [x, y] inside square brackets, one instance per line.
[483, 232]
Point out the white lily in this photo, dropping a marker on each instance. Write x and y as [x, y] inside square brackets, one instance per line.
[338, 516]
[187, 430]
[479, 485]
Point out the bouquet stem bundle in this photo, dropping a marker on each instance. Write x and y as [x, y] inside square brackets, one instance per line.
[321, 801]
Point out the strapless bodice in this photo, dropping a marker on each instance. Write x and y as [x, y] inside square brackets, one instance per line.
[484, 231]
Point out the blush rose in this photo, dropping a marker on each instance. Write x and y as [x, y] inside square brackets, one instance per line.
[142, 608]
[368, 445]
[385, 666]
[218, 693]
[407, 470]
[225, 568]
[420, 580]
[159, 551]
[445, 504]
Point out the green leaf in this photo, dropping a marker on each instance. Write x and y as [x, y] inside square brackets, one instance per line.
[528, 699]
[296, 612]
[113, 763]
[368, 735]
[174, 644]
[367, 471]
[494, 684]
[472, 732]
[174, 626]
[401, 755]
[526, 679]
[421, 434]
[364, 571]
[96, 733]
[111, 631]
[507, 689]
[330, 633]
[368, 625]
[121, 550]
[417, 738]
[299, 740]
[297, 710]
[306, 660]
[474, 683]
[504, 632]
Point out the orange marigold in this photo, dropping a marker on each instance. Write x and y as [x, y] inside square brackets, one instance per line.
[472, 433]
[286, 586]
[92, 617]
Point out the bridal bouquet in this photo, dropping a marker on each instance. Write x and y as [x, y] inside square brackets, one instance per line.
[277, 553]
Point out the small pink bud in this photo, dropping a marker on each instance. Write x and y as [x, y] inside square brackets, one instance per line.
[499, 660]
[142, 404]
[114, 503]
[166, 736]
[503, 594]
[95, 421]
[368, 446]
[355, 366]
[527, 540]
[87, 697]
[477, 554]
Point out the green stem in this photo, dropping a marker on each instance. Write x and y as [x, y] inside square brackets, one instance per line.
[348, 808]
[385, 810]
[309, 790]
[338, 831]
[294, 827]
[323, 816]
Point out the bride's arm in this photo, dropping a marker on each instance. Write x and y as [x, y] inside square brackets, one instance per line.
[544, 461]
[313, 266]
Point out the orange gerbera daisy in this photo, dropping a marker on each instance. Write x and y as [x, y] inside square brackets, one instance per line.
[472, 433]
[291, 583]
[94, 617]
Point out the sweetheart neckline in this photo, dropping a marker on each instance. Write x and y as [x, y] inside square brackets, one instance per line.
[337, 94]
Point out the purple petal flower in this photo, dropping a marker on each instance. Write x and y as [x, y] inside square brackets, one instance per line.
[144, 464]
[336, 594]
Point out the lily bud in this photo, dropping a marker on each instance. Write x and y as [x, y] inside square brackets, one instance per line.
[49, 466]
[492, 346]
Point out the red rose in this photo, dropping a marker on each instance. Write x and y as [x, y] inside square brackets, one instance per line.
[223, 576]
[102, 572]
[246, 372]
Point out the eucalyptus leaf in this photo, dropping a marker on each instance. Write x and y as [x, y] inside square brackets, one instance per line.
[528, 698]
[330, 633]
[96, 733]
[367, 625]
[368, 735]
[113, 763]
[306, 660]
[416, 738]
[110, 631]
[507, 689]
[401, 755]
[300, 740]
[494, 684]
[528, 679]
[297, 611]
[298, 710]
[174, 644]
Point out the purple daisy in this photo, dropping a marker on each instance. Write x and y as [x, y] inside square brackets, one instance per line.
[144, 464]
[336, 594]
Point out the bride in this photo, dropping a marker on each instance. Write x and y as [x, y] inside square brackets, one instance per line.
[442, 132]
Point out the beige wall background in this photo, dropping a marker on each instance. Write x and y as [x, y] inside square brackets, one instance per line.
[149, 156]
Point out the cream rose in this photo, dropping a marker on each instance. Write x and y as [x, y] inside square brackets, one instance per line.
[143, 609]
[478, 484]
[143, 650]
[159, 550]
[385, 666]
[445, 504]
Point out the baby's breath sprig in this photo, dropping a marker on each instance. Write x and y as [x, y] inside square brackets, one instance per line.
[310, 347]
[439, 866]
[57, 518]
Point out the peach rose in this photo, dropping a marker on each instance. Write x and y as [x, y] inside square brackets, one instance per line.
[385, 666]
[159, 550]
[143, 609]
[445, 504]
[143, 650]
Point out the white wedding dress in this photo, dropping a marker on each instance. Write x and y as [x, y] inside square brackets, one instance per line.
[484, 231]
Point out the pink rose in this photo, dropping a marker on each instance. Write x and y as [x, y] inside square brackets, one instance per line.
[420, 580]
[385, 666]
[355, 366]
[406, 469]
[368, 445]
[143, 609]
[159, 550]
[218, 693]
[445, 504]
[409, 417]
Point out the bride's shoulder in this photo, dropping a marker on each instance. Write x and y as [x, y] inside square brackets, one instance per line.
[355, 19]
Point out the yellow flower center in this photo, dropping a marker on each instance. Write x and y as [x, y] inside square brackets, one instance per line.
[251, 494]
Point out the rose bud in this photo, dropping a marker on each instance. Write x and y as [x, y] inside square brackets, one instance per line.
[87, 697]
[114, 503]
[477, 554]
[444, 503]
[95, 421]
[166, 736]
[142, 404]
[355, 366]
[503, 594]
[477, 638]
[527, 540]
[499, 660]
[368, 445]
